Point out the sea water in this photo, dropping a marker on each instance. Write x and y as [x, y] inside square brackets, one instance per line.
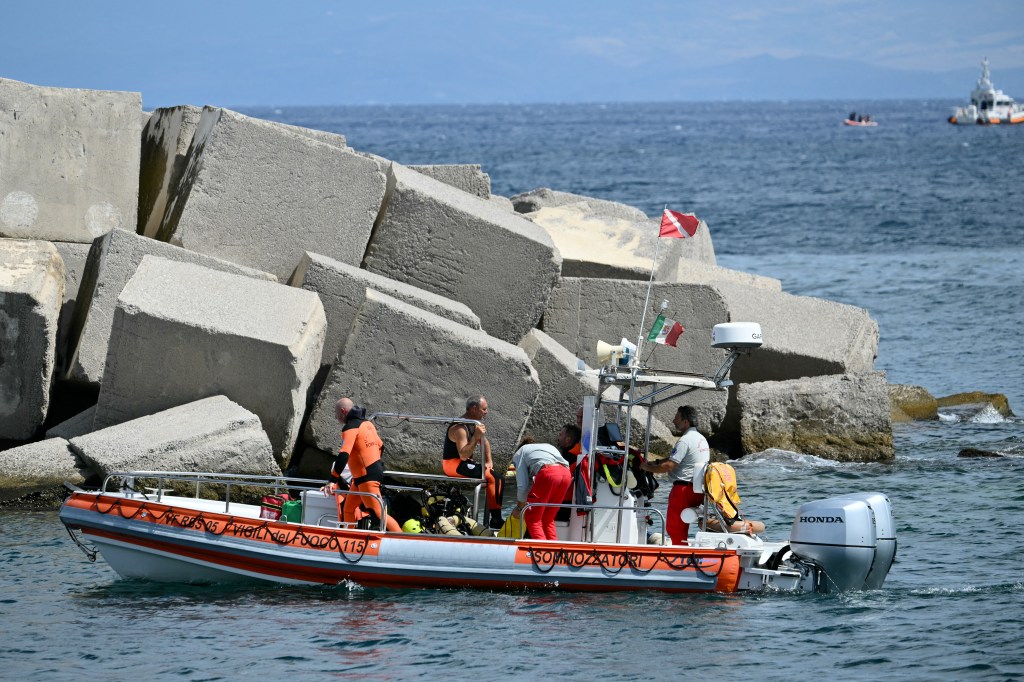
[917, 221]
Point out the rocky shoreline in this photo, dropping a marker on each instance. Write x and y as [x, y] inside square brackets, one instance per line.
[192, 288]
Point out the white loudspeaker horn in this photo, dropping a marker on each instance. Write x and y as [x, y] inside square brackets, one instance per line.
[606, 353]
[621, 354]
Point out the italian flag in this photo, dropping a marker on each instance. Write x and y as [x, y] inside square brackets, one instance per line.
[665, 331]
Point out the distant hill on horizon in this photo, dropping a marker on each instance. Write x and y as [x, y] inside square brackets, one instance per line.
[766, 77]
[761, 78]
[536, 80]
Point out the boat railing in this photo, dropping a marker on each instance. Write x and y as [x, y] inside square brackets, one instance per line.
[128, 480]
[123, 481]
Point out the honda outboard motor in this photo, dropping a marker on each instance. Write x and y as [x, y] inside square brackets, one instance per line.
[842, 535]
[885, 537]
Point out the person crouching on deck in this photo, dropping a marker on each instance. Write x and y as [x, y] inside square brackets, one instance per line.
[542, 477]
[460, 442]
[361, 449]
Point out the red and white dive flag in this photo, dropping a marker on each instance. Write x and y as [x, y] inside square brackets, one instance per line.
[665, 331]
[678, 225]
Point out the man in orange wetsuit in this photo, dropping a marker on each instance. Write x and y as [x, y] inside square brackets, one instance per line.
[460, 442]
[361, 448]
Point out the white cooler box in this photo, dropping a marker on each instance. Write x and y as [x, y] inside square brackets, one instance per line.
[316, 505]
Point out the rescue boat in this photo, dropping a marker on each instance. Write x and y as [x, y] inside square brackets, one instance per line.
[187, 527]
[988, 106]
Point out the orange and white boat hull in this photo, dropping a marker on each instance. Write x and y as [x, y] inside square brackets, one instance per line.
[171, 543]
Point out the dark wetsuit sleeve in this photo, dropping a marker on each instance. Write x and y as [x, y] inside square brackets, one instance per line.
[339, 465]
[348, 440]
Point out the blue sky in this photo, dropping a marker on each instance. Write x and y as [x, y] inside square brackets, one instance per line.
[443, 51]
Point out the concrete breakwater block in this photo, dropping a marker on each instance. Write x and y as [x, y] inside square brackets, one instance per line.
[803, 336]
[595, 245]
[686, 271]
[466, 249]
[468, 177]
[69, 160]
[556, 210]
[213, 434]
[37, 467]
[544, 197]
[261, 194]
[844, 417]
[112, 261]
[182, 332]
[313, 463]
[166, 138]
[31, 294]
[75, 255]
[78, 425]
[582, 311]
[342, 290]
[399, 358]
[562, 390]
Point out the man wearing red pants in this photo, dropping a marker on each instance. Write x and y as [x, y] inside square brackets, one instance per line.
[542, 477]
[689, 453]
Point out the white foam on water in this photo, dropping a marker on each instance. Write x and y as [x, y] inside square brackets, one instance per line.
[987, 415]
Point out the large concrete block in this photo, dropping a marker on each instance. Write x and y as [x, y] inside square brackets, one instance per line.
[688, 271]
[597, 245]
[399, 358]
[467, 176]
[213, 434]
[583, 311]
[542, 197]
[467, 249]
[625, 237]
[342, 290]
[69, 161]
[78, 425]
[31, 294]
[75, 256]
[166, 138]
[182, 332]
[37, 467]
[112, 261]
[562, 390]
[803, 336]
[261, 194]
[841, 417]
[313, 463]
[502, 202]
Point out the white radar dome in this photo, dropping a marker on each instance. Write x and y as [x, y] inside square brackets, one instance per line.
[736, 335]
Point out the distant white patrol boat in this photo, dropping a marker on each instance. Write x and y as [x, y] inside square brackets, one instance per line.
[988, 105]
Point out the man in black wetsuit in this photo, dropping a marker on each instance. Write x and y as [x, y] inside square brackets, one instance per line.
[460, 442]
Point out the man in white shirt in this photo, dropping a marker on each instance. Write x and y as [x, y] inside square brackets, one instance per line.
[690, 451]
